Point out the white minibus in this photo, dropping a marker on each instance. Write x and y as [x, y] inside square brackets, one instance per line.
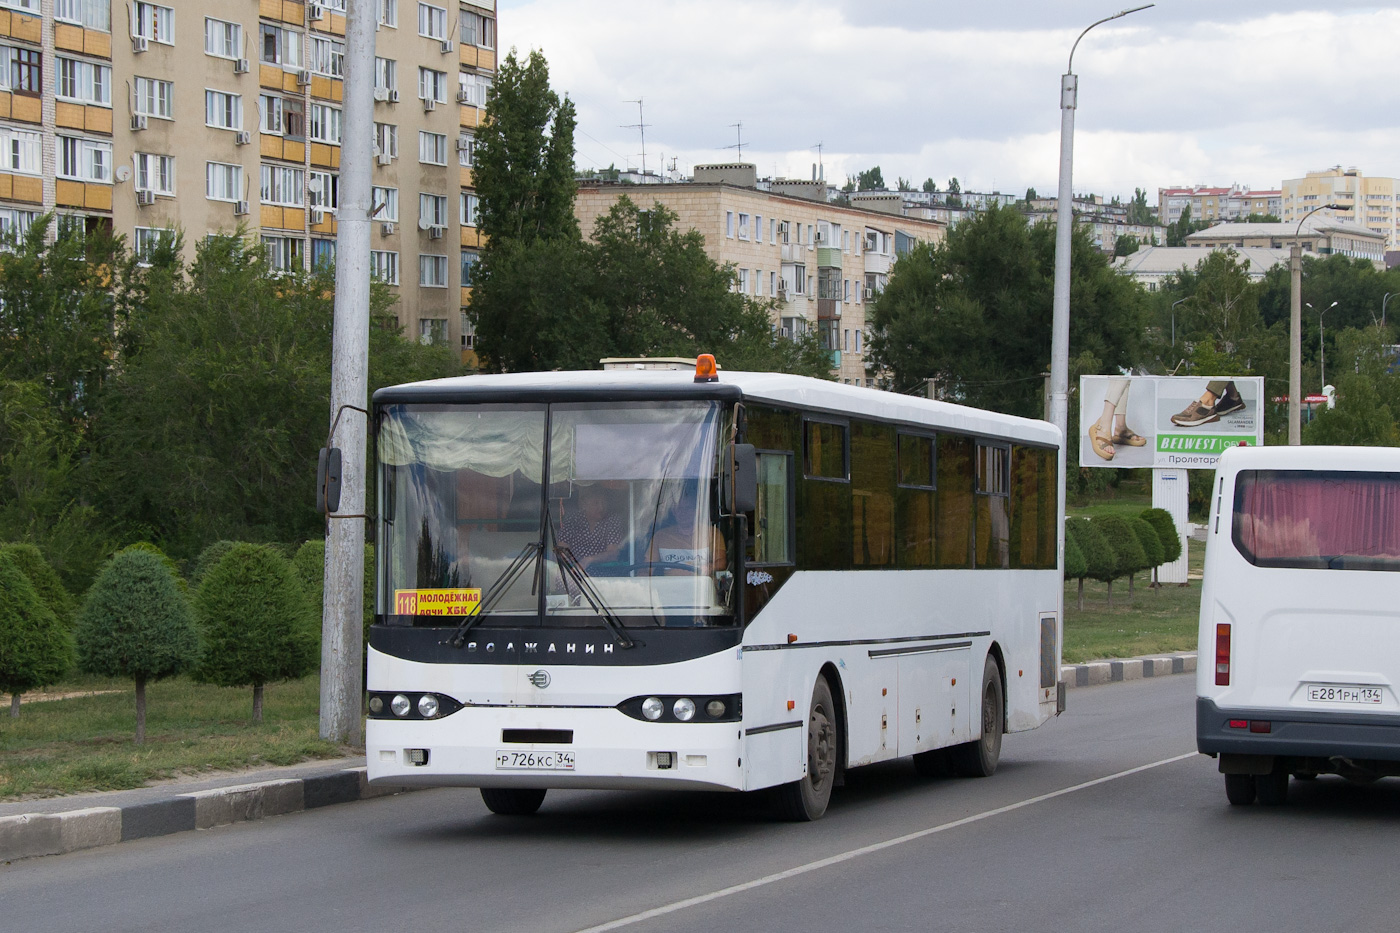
[1300, 618]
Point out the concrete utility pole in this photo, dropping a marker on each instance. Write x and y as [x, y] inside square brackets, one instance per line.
[1295, 329]
[342, 638]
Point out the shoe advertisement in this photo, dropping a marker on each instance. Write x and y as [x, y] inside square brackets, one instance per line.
[1181, 422]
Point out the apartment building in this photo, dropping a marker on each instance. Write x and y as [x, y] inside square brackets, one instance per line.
[1369, 201]
[1236, 202]
[1318, 234]
[820, 262]
[149, 117]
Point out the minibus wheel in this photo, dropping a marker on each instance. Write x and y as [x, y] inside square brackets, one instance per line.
[980, 758]
[513, 801]
[1272, 787]
[1240, 789]
[806, 799]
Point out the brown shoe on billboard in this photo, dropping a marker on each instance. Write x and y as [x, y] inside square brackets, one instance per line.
[1195, 414]
[1230, 402]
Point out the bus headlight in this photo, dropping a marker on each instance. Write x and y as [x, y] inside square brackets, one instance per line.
[428, 706]
[715, 708]
[376, 705]
[684, 709]
[400, 705]
[653, 708]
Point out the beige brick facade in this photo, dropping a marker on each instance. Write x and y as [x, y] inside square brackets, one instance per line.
[1368, 201]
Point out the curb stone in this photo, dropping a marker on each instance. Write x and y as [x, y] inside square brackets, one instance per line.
[27, 835]
[1094, 673]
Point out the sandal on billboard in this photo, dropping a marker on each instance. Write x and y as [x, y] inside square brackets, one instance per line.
[1100, 441]
[1127, 436]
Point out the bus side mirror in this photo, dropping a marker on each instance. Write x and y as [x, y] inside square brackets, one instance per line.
[745, 478]
[328, 480]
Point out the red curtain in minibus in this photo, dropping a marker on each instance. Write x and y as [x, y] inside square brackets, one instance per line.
[1288, 515]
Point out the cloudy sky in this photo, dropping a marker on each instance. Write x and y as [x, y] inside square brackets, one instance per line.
[1190, 91]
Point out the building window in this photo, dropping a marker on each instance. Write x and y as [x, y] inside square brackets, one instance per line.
[84, 82]
[432, 210]
[384, 266]
[90, 14]
[466, 149]
[153, 98]
[327, 57]
[283, 252]
[84, 159]
[743, 226]
[477, 30]
[223, 182]
[280, 46]
[324, 188]
[223, 110]
[432, 331]
[29, 6]
[388, 12]
[322, 255]
[474, 88]
[386, 139]
[21, 151]
[282, 116]
[729, 224]
[25, 71]
[471, 209]
[386, 74]
[432, 85]
[156, 23]
[432, 148]
[325, 123]
[155, 173]
[470, 258]
[148, 239]
[282, 185]
[14, 224]
[222, 39]
[385, 202]
[468, 331]
[432, 271]
[432, 21]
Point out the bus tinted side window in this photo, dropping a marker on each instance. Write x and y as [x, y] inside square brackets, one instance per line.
[872, 494]
[1033, 507]
[993, 533]
[915, 495]
[954, 498]
[772, 531]
[824, 450]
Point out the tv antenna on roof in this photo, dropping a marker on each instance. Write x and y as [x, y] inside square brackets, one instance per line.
[739, 132]
[641, 126]
[821, 169]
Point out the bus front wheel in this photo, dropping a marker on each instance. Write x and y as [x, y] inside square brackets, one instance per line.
[980, 758]
[512, 801]
[806, 799]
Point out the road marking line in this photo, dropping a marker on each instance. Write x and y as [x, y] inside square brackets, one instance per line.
[866, 850]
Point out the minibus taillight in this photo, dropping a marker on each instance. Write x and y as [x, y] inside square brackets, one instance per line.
[1222, 655]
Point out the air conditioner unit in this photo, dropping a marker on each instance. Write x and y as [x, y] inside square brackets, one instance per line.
[240, 208]
[145, 198]
[436, 231]
[386, 228]
[869, 293]
[242, 138]
[303, 78]
[447, 46]
[464, 143]
[429, 105]
[138, 122]
[140, 44]
[393, 96]
[782, 293]
[240, 67]
[318, 217]
[381, 94]
[464, 96]
[385, 159]
[315, 12]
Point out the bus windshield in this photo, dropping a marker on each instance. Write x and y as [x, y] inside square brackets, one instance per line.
[553, 514]
[1341, 520]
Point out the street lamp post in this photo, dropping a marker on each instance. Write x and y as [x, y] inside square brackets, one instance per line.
[1295, 330]
[1385, 301]
[1321, 347]
[1174, 304]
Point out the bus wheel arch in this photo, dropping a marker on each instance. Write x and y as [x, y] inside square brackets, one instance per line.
[838, 696]
[996, 654]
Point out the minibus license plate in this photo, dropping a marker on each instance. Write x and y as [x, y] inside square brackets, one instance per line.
[1343, 693]
[511, 760]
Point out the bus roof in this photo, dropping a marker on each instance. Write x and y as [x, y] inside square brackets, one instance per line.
[802, 392]
[1320, 457]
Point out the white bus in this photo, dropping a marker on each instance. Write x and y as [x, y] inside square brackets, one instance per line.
[1300, 618]
[621, 579]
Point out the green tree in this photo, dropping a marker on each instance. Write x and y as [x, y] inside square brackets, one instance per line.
[1368, 394]
[523, 163]
[1099, 559]
[207, 558]
[1161, 522]
[1128, 555]
[1125, 246]
[45, 581]
[1076, 564]
[903, 184]
[1031, 195]
[872, 179]
[930, 186]
[974, 312]
[256, 622]
[1138, 211]
[36, 648]
[1151, 546]
[1183, 227]
[136, 624]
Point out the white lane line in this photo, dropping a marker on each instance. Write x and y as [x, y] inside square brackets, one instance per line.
[866, 850]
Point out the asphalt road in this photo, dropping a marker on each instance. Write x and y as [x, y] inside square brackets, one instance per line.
[1094, 822]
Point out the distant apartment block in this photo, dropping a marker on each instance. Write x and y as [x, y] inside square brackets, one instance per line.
[1152, 265]
[1319, 234]
[145, 117]
[820, 262]
[1369, 201]
[1216, 204]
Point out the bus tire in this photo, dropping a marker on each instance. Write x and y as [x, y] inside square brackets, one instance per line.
[980, 758]
[1240, 789]
[512, 801]
[1272, 787]
[806, 799]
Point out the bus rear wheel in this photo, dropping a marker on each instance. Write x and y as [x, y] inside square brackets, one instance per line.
[512, 801]
[806, 799]
[980, 758]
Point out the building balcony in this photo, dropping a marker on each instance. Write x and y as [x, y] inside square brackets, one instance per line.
[878, 263]
[828, 309]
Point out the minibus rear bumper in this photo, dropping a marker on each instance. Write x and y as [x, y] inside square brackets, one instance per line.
[1296, 733]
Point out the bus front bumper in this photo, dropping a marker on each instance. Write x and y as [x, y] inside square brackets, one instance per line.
[610, 750]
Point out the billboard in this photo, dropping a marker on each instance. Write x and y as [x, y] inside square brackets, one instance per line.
[1179, 422]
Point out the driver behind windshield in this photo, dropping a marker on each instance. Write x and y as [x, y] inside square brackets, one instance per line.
[592, 530]
[685, 542]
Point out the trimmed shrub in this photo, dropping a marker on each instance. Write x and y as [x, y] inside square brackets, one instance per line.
[136, 623]
[1098, 556]
[208, 558]
[44, 579]
[1076, 566]
[255, 620]
[1161, 522]
[310, 566]
[1151, 545]
[170, 562]
[36, 648]
[1128, 555]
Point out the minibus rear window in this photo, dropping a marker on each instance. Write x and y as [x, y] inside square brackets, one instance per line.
[1312, 519]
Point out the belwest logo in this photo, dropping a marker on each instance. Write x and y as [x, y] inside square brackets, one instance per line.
[758, 577]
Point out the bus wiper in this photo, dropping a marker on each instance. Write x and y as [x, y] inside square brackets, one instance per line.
[574, 571]
[497, 590]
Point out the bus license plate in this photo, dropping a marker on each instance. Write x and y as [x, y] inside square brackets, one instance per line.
[1343, 693]
[509, 760]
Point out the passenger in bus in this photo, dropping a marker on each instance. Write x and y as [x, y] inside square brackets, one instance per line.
[590, 528]
[684, 543]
